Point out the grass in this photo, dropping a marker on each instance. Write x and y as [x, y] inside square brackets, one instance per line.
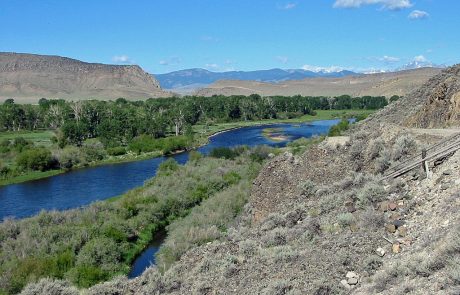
[29, 176]
[41, 138]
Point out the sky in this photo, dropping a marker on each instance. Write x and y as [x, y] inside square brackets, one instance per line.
[221, 35]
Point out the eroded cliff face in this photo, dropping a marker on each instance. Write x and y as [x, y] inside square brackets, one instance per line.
[441, 106]
[28, 77]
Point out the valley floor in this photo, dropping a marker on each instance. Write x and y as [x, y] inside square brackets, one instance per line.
[202, 132]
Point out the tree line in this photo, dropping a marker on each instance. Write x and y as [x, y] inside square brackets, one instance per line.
[118, 122]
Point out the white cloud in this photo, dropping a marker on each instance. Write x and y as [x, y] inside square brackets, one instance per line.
[171, 61]
[282, 59]
[389, 59]
[212, 66]
[385, 4]
[322, 69]
[420, 58]
[418, 14]
[289, 6]
[124, 59]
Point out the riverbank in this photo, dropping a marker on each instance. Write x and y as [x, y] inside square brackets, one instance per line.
[202, 132]
[120, 228]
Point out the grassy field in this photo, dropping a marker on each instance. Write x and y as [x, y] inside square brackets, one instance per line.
[40, 138]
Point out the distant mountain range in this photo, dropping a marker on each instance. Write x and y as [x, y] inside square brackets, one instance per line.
[420, 64]
[198, 78]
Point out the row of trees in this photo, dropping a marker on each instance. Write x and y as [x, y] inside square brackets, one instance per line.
[117, 122]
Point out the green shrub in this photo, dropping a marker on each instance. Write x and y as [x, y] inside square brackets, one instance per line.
[100, 252]
[345, 219]
[223, 152]
[259, 153]
[20, 144]
[404, 146]
[370, 193]
[116, 151]
[194, 156]
[146, 144]
[336, 130]
[93, 151]
[35, 159]
[308, 188]
[167, 167]
[69, 157]
[86, 275]
[50, 286]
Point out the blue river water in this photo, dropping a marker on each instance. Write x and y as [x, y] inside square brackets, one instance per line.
[80, 187]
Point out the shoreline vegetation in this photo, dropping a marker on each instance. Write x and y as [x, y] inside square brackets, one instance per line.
[203, 134]
[99, 241]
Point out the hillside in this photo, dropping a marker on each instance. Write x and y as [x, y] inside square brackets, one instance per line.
[386, 84]
[29, 77]
[323, 221]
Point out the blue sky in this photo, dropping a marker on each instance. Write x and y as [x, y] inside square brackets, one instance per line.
[219, 35]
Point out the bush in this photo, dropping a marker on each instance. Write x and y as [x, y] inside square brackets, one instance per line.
[51, 287]
[345, 219]
[93, 151]
[308, 188]
[36, 159]
[167, 167]
[223, 152]
[146, 144]
[370, 193]
[404, 146]
[116, 151]
[69, 157]
[20, 144]
[336, 130]
[101, 252]
[260, 153]
[194, 156]
[383, 162]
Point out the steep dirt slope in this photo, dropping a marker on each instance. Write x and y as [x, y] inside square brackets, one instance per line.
[29, 77]
[386, 84]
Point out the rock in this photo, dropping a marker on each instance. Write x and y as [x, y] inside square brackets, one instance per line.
[380, 252]
[354, 227]
[445, 223]
[391, 228]
[396, 248]
[350, 205]
[392, 206]
[351, 274]
[352, 281]
[345, 284]
[383, 207]
[447, 172]
[395, 216]
[402, 231]
[445, 186]
[398, 223]
[271, 155]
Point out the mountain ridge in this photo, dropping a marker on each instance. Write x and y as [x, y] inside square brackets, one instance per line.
[385, 84]
[197, 76]
[28, 77]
